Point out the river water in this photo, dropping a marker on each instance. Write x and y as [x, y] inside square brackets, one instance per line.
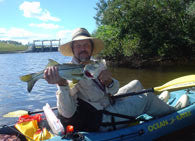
[14, 95]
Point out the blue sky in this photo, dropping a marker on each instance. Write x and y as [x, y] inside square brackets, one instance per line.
[25, 21]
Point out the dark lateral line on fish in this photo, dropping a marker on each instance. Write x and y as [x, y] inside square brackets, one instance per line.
[71, 68]
[64, 69]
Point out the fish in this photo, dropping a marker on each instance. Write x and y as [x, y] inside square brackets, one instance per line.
[68, 71]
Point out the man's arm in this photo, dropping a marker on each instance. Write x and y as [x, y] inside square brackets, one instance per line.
[65, 102]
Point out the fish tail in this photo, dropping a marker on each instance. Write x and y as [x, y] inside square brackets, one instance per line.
[29, 79]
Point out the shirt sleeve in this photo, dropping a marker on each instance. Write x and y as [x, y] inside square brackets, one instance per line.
[66, 102]
[114, 87]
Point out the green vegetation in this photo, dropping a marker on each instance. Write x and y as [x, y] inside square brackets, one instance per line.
[137, 29]
[11, 46]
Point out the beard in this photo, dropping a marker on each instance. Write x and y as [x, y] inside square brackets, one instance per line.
[84, 56]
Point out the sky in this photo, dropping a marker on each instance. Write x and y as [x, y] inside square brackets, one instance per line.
[25, 20]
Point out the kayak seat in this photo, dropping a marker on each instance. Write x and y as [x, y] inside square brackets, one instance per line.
[164, 96]
[182, 102]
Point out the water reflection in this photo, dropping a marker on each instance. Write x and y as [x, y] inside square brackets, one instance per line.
[151, 77]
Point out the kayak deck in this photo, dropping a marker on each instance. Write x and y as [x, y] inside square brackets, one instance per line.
[149, 130]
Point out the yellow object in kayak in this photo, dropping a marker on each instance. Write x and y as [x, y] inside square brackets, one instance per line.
[43, 134]
[28, 126]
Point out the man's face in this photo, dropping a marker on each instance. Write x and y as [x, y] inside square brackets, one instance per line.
[82, 49]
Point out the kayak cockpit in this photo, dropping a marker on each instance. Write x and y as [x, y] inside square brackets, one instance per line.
[146, 127]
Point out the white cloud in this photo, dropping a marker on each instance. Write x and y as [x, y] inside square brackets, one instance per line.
[64, 35]
[18, 33]
[2, 31]
[21, 35]
[33, 10]
[45, 26]
[25, 36]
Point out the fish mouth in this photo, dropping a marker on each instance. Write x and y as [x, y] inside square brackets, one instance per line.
[88, 74]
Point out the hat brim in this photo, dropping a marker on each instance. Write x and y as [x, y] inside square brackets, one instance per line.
[66, 49]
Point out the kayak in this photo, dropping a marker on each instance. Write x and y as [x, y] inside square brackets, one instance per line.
[148, 129]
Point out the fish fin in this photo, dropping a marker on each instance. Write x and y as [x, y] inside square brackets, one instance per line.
[31, 84]
[52, 63]
[71, 85]
[30, 81]
[74, 81]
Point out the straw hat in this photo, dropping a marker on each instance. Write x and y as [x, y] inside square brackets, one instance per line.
[81, 34]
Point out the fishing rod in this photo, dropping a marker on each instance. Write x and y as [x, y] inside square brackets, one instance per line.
[176, 84]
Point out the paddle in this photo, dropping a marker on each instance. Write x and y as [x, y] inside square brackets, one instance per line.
[19, 113]
[176, 84]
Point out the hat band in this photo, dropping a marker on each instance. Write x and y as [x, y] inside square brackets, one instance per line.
[81, 34]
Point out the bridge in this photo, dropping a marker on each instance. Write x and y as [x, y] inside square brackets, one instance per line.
[44, 45]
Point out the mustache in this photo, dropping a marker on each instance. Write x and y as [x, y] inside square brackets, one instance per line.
[83, 52]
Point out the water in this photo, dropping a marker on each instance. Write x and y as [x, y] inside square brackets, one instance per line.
[152, 77]
[13, 92]
[14, 95]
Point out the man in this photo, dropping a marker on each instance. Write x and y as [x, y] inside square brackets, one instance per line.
[87, 105]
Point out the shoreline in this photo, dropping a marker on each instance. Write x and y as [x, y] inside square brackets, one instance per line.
[11, 52]
[135, 62]
[152, 62]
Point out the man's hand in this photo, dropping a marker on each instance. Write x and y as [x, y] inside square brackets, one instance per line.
[51, 75]
[105, 78]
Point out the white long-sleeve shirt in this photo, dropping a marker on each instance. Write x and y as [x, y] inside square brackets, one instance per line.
[87, 90]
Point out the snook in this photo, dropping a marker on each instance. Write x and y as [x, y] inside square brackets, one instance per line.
[67, 71]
